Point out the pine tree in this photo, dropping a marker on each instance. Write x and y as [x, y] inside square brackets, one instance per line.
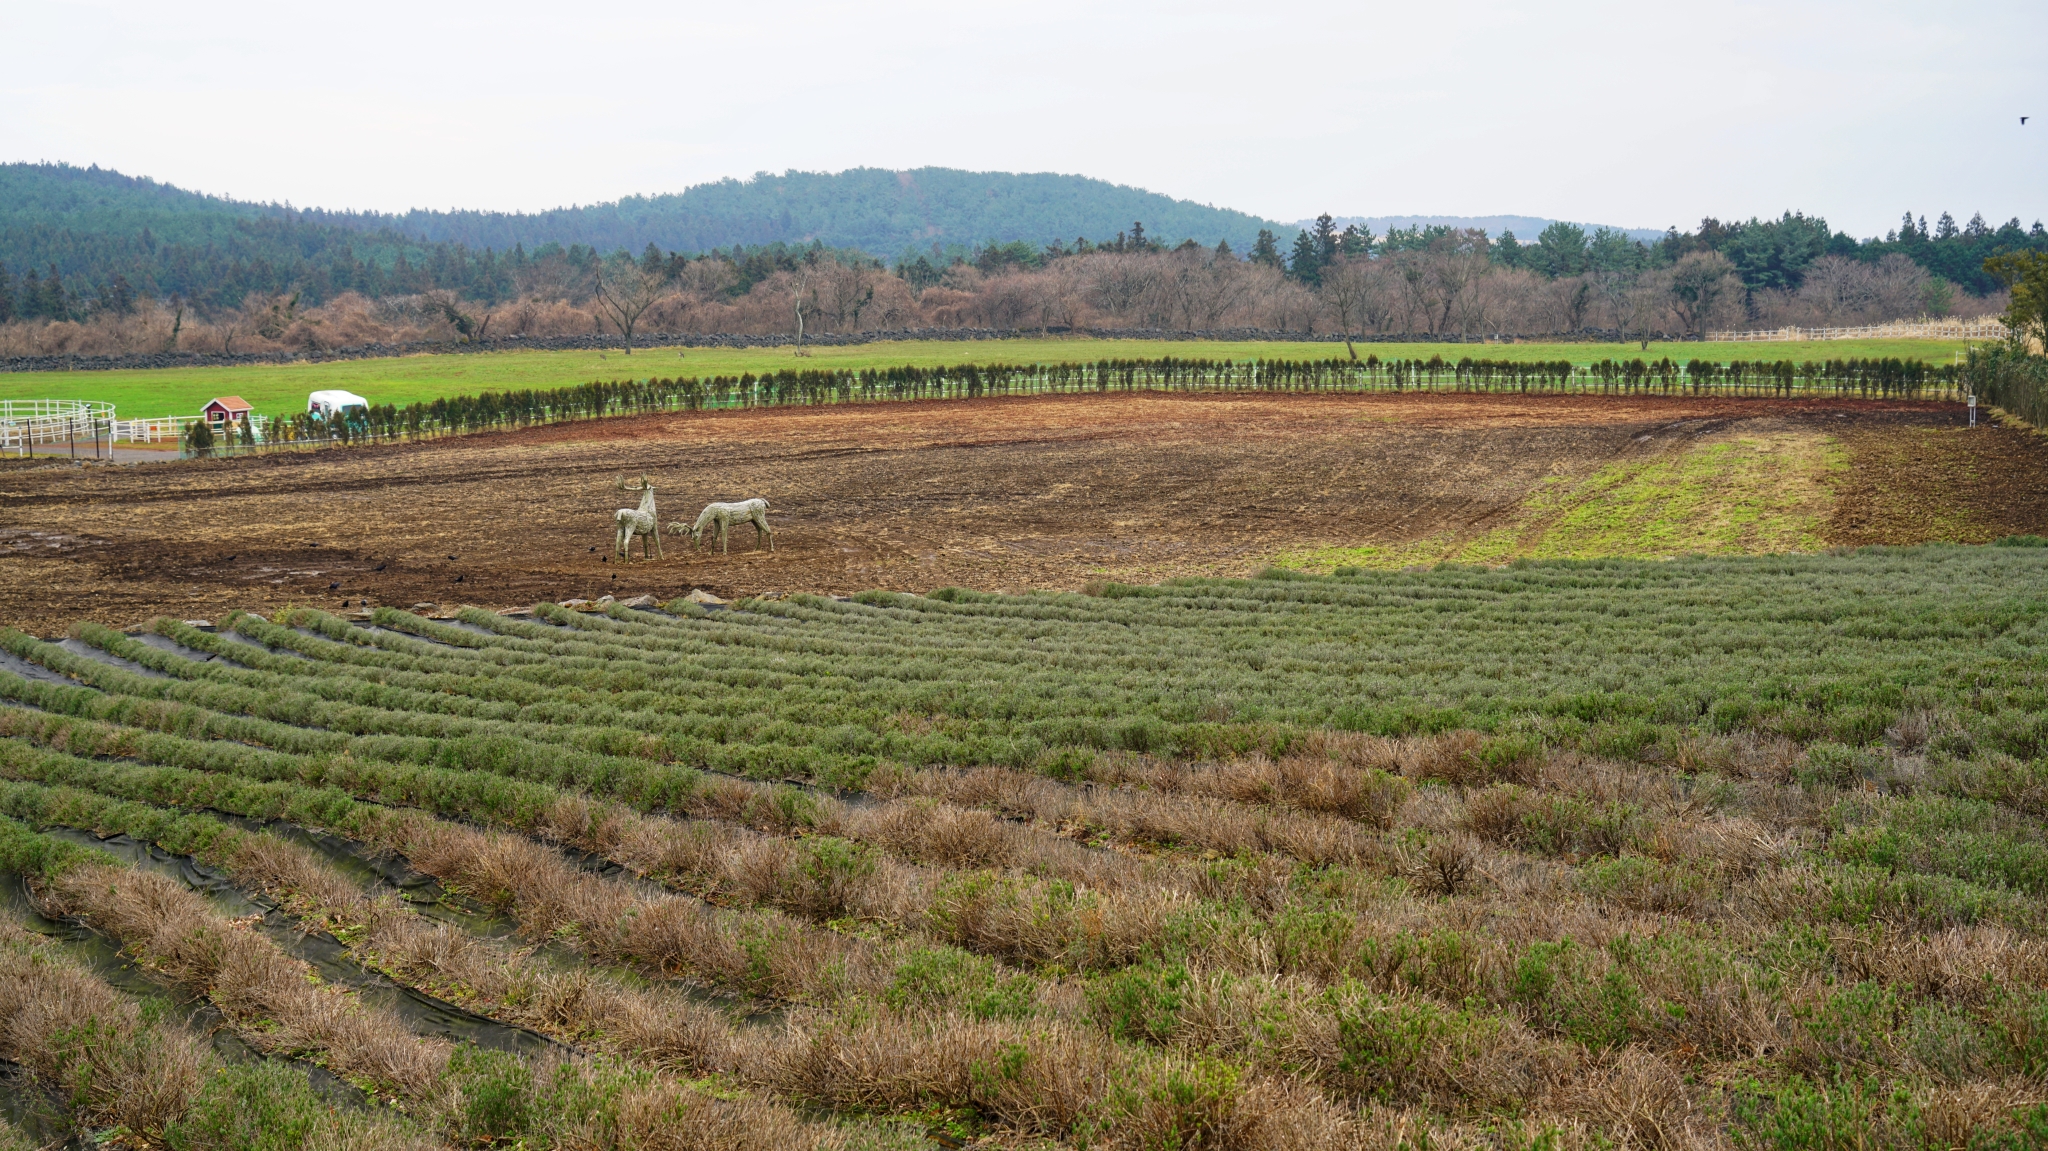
[1223, 251]
[1326, 242]
[119, 296]
[1266, 249]
[1355, 241]
[56, 301]
[1303, 264]
[1946, 228]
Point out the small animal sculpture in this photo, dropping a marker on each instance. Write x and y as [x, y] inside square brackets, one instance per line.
[724, 516]
[639, 521]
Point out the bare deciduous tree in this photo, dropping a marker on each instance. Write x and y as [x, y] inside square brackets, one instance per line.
[1198, 286]
[1438, 277]
[1120, 283]
[1703, 288]
[626, 288]
[466, 325]
[1346, 283]
[1057, 295]
[1635, 302]
[1563, 303]
[1285, 304]
[846, 289]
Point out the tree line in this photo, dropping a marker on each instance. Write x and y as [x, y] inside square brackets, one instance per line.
[207, 291]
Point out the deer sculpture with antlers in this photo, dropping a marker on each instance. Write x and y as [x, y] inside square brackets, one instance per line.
[637, 522]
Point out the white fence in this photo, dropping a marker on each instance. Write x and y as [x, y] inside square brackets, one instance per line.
[27, 423]
[1981, 328]
[161, 430]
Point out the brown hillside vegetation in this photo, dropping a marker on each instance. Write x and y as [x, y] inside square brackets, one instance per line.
[1008, 494]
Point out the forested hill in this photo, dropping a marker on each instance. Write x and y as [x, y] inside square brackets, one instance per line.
[112, 239]
[878, 211]
[109, 235]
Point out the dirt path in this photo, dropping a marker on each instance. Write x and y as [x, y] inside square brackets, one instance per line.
[1001, 493]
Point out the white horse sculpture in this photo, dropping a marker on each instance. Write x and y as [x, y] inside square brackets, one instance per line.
[639, 521]
[726, 515]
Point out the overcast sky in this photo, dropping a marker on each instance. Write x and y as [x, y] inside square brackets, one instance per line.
[1620, 113]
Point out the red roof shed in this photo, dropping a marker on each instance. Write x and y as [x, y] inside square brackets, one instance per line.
[229, 409]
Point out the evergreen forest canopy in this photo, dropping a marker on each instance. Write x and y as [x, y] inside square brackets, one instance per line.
[77, 242]
[875, 210]
[97, 227]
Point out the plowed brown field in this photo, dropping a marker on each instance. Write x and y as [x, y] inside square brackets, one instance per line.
[1000, 494]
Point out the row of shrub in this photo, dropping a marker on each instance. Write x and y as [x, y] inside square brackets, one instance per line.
[1861, 378]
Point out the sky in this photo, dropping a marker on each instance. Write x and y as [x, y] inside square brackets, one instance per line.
[1626, 114]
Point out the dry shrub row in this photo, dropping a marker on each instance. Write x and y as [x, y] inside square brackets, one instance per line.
[824, 878]
[580, 1005]
[940, 834]
[146, 1082]
[1285, 1030]
[1338, 773]
[1398, 951]
[74, 1032]
[1047, 1078]
[1227, 825]
[1413, 953]
[277, 1006]
[267, 993]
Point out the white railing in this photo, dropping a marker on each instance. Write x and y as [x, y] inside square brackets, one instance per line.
[1980, 328]
[27, 423]
[161, 430]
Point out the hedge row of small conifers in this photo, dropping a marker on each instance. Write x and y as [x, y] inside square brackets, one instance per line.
[1862, 378]
[2003, 376]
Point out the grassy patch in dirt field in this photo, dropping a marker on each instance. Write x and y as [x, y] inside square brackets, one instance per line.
[1742, 494]
[280, 389]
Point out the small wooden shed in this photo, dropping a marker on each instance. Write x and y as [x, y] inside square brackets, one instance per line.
[225, 411]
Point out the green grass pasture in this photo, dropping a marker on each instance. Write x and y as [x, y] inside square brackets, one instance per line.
[282, 388]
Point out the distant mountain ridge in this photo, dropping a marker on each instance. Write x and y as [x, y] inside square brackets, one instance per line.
[109, 235]
[1525, 228]
[880, 211]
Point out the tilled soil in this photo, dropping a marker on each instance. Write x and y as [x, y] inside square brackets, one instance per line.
[1002, 494]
